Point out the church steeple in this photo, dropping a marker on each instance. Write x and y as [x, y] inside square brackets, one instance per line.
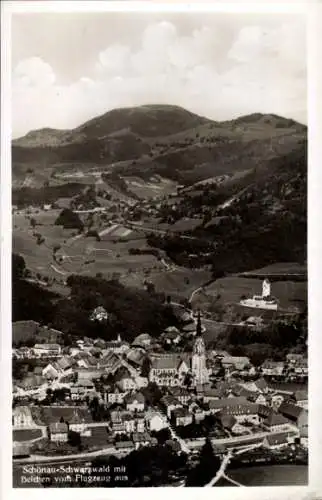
[198, 327]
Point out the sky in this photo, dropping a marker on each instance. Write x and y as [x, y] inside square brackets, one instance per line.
[68, 67]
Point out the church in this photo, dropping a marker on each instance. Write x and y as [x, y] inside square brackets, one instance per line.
[171, 369]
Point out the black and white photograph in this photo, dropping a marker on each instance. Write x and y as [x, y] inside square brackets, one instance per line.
[159, 249]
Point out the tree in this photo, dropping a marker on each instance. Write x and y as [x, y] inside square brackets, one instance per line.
[207, 467]
[69, 220]
[146, 366]
[33, 222]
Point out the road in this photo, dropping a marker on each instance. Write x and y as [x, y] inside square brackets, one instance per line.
[75, 456]
[221, 470]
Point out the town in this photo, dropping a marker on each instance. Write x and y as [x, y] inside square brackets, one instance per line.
[99, 398]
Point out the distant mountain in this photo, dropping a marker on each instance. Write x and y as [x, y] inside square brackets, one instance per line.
[158, 139]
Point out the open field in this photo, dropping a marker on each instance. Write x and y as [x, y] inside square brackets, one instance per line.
[155, 188]
[25, 434]
[280, 271]
[231, 289]
[180, 282]
[80, 254]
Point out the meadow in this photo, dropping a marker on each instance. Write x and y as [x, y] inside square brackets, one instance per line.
[230, 290]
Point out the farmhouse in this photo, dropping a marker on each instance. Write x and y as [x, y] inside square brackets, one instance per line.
[58, 432]
[135, 402]
[295, 414]
[276, 422]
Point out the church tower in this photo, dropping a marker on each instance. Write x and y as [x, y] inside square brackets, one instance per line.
[198, 362]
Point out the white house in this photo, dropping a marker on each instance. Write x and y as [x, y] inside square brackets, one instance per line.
[135, 402]
[22, 418]
[155, 422]
[47, 350]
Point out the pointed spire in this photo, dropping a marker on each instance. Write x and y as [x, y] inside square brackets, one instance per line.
[198, 328]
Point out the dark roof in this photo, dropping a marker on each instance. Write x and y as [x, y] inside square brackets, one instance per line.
[301, 395]
[141, 436]
[58, 427]
[227, 402]
[168, 400]
[227, 421]
[175, 445]
[179, 391]
[180, 412]
[137, 396]
[261, 383]
[275, 419]
[124, 444]
[264, 411]
[275, 439]
[290, 410]
[52, 414]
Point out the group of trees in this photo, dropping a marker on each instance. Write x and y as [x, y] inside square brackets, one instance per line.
[69, 220]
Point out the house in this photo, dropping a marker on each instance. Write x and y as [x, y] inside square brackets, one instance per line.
[301, 398]
[181, 394]
[139, 419]
[47, 350]
[80, 420]
[31, 382]
[215, 405]
[295, 414]
[211, 394]
[141, 381]
[141, 439]
[227, 421]
[143, 340]
[259, 385]
[125, 382]
[50, 372]
[155, 422]
[58, 432]
[64, 364]
[117, 423]
[272, 368]
[197, 412]
[293, 358]
[181, 417]
[169, 369]
[77, 393]
[277, 441]
[22, 417]
[235, 362]
[171, 336]
[129, 422]
[136, 357]
[301, 368]
[169, 403]
[238, 407]
[135, 402]
[125, 446]
[116, 395]
[276, 422]
[276, 400]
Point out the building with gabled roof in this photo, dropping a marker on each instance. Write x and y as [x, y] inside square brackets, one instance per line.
[22, 417]
[135, 401]
[276, 441]
[58, 432]
[276, 422]
[181, 417]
